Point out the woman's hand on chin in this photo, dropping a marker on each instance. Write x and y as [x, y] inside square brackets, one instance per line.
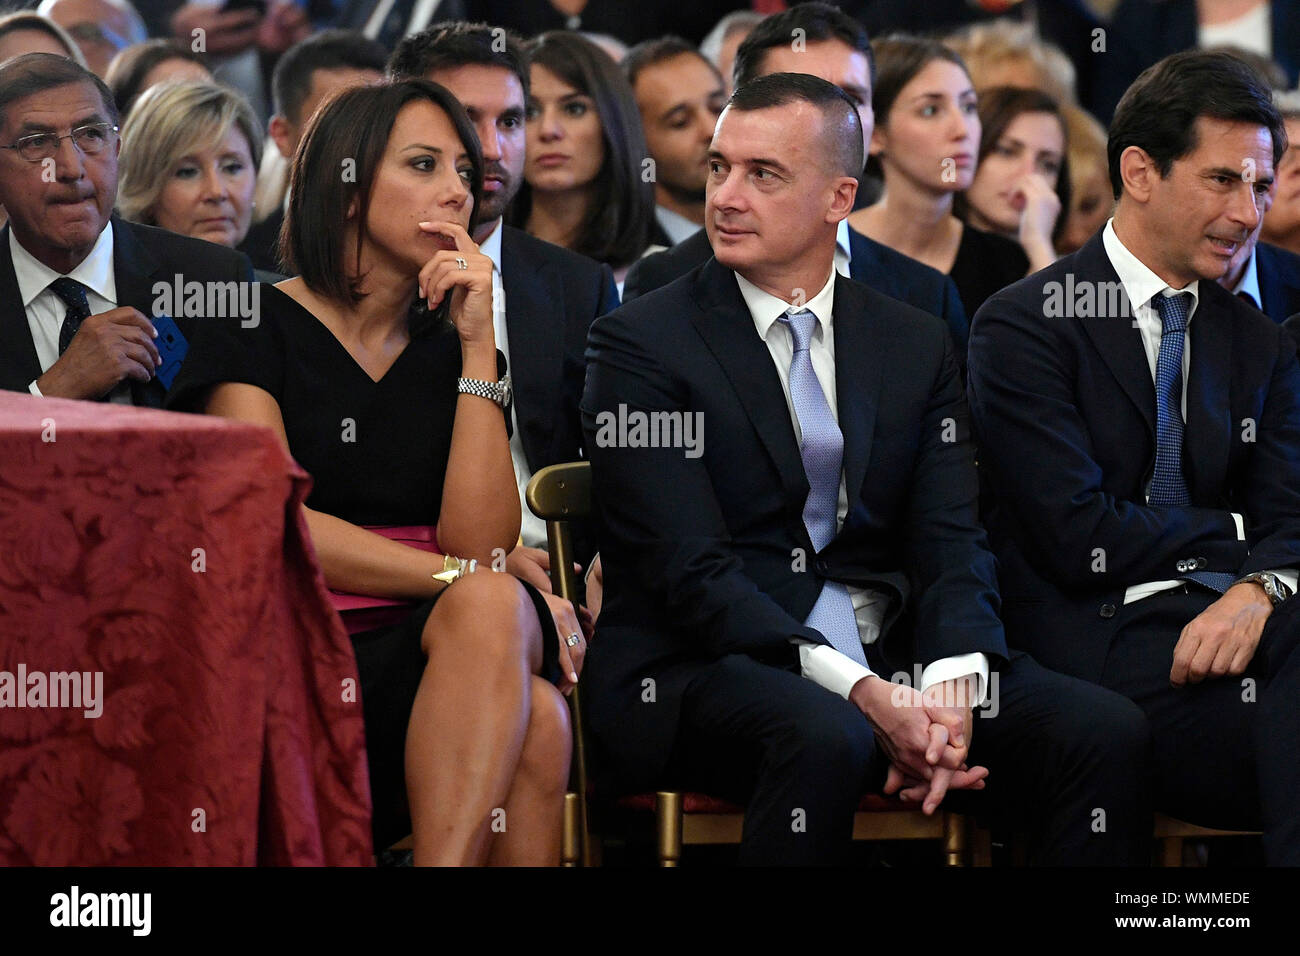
[464, 273]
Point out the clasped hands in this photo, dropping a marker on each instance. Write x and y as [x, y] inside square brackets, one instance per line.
[926, 736]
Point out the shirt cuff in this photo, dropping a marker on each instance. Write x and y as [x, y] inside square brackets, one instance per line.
[1290, 577]
[1241, 526]
[827, 667]
[34, 390]
[947, 668]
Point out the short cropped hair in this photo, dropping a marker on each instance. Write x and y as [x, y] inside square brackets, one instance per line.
[169, 121]
[451, 45]
[650, 53]
[33, 73]
[327, 50]
[126, 74]
[30, 20]
[817, 21]
[352, 129]
[1158, 112]
[841, 126]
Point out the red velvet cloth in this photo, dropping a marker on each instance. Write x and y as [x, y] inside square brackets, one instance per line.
[168, 552]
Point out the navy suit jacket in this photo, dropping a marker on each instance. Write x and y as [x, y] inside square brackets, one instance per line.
[142, 256]
[551, 295]
[1279, 281]
[708, 556]
[871, 263]
[1064, 411]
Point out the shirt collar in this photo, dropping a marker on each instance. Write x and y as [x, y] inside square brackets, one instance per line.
[491, 246]
[677, 226]
[1249, 283]
[1140, 283]
[765, 308]
[842, 240]
[95, 271]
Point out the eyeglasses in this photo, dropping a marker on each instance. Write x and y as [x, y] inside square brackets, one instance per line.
[90, 139]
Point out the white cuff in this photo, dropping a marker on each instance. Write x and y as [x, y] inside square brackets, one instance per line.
[827, 667]
[1241, 526]
[34, 390]
[1290, 577]
[947, 668]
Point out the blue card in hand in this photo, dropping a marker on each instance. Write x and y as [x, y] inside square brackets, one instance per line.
[172, 346]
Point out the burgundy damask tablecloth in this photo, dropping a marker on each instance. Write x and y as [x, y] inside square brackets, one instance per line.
[165, 557]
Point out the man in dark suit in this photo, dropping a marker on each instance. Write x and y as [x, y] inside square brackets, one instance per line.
[77, 286]
[1148, 537]
[836, 49]
[548, 296]
[787, 491]
[1271, 277]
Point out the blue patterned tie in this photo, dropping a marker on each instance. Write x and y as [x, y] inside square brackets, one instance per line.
[822, 451]
[1168, 484]
[73, 294]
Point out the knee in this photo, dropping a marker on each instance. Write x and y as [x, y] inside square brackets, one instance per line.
[1113, 732]
[488, 612]
[549, 739]
[834, 743]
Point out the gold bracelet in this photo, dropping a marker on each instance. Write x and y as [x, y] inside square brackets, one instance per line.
[454, 568]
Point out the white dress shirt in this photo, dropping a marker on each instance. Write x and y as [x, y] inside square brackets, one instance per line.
[1249, 282]
[532, 528]
[1141, 285]
[819, 662]
[675, 225]
[45, 310]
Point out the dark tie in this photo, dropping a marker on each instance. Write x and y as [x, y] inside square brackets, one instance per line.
[822, 450]
[73, 294]
[1168, 484]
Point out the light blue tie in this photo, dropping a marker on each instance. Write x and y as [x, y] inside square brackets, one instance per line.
[822, 450]
[1168, 484]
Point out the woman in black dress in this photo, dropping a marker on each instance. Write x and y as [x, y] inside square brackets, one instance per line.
[926, 139]
[360, 381]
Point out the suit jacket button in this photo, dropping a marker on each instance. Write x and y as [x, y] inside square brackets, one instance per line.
[1108, 610]
[1201, 563]
[1181, 566]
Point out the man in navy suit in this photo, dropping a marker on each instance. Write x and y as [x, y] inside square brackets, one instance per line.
[1139, 430]
[79, 288]
[547, 296]
[835, 48]
[781, 462]
[1266, 276]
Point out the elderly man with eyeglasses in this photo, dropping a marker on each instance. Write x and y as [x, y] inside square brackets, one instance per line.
[76, 283]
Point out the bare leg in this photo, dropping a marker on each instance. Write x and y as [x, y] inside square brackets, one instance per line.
[470, 716]
[535, 806]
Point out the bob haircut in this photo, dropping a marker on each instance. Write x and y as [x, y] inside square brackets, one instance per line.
[352, 130]
[168, 122]
[126, 74]
[1000, 105]
[616, 229]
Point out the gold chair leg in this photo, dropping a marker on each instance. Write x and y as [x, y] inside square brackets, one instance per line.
[668, 819]
[954, 839]
[571, 843]
[1171, 851]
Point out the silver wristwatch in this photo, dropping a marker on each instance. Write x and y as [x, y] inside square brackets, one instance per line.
[498, 392]
[1277, 591]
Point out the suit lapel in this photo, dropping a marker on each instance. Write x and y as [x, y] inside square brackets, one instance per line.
[861, 348]
[724, 322]
[17, 350]
[134, 269]
[1116, 337]
[535, 325]
[1209, 412]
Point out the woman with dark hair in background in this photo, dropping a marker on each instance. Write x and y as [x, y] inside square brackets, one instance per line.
[364, 386]
[584, 187]
[139, 67]
[1021, 189]
[925, 143]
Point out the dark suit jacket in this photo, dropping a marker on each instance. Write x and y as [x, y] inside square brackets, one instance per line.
[1065, 411]
[1279, 281]
[872, 263]
[261, 245]
[142, 256]
[551, 297]
[1143, 32]
[709, 556]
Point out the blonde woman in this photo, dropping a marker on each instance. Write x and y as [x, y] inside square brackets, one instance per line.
[189, 162]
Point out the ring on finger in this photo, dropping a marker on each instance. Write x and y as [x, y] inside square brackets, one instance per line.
[461, 263]
[573, 640]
